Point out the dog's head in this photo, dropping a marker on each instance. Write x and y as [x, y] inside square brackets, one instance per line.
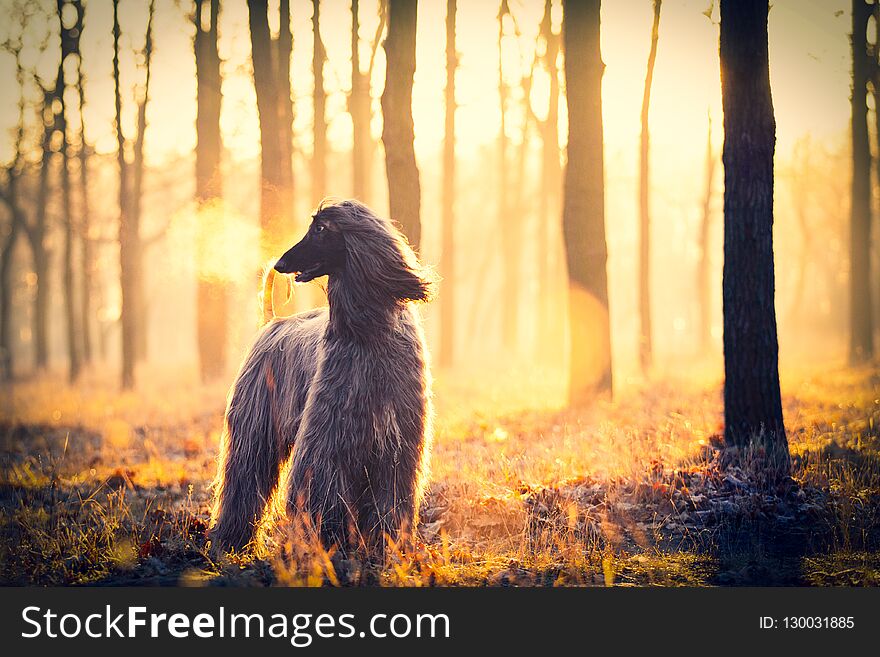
[320, 253]
[347, 240]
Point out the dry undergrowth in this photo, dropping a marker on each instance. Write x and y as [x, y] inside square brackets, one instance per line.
[99, 487]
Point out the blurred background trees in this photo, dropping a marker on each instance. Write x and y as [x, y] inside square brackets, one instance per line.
[319, 131]
[645, 341]
[447, 247]
[398, 137]
[861, 348]
[211, 295]
[275, 169]
[156, 156]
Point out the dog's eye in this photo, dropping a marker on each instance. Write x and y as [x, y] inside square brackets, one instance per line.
[319, 228]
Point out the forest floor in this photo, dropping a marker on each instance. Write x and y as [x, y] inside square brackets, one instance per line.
[103, 488]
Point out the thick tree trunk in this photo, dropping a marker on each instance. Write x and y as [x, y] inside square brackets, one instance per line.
[447, 257]
[645, 339]
[211, 293]
[583, 214]
[752, 406]
[319, 127]
[861, 346]
[404, 194]
[704, 296]
[69, 45]
[272, 212]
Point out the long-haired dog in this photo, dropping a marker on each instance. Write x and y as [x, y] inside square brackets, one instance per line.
[343, 393]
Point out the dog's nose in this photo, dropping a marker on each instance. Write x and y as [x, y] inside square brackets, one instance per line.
[281, 266]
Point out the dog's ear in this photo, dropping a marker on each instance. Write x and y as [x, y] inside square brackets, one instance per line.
[412, 285]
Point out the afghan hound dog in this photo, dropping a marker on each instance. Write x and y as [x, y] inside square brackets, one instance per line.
[342, 393]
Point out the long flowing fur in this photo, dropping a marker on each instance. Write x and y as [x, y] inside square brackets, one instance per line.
[345, 393]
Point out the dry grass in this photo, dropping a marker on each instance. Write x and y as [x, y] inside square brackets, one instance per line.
[99, 487]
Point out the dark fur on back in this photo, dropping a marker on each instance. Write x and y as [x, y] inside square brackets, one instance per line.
[344, 392]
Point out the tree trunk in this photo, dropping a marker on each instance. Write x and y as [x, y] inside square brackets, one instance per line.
[285, 107]
[127, 238]
[861, 346]
[17, 219]
[7, 369]
[704, 295]
[447, 257]
[319, 127]
[645, 340]
[508, 226]
[69, 45]
[363, 134]
[517, 220]
[272, 214]
[404, 195]
[359, 108]
[41, 307]
[548, 199]
[137, 185]
[211, 293]
[71, 324]
[36, 234]
[583, 214]
[874, 279]
[752, 405]
[85, 307]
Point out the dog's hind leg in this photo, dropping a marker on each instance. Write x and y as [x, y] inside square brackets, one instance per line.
[251, 453]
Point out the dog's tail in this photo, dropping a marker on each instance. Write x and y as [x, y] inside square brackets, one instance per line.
[267, 296]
